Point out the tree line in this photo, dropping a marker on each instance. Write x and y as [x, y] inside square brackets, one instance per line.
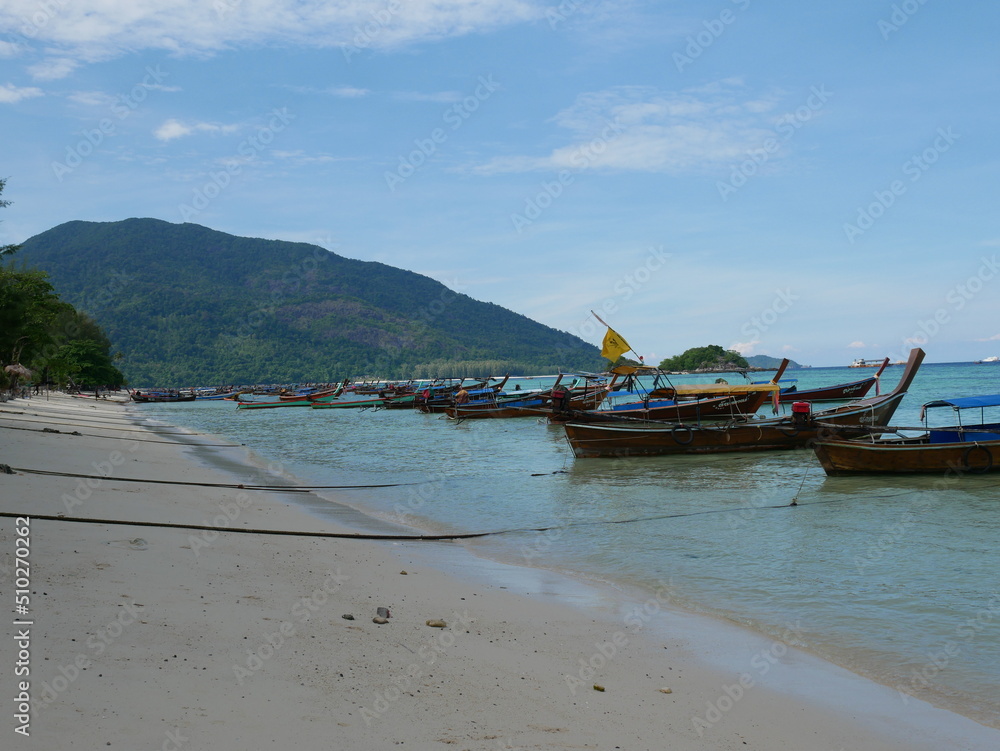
[44, 339]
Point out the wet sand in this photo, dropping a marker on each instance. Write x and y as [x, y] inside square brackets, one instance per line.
[146, 637]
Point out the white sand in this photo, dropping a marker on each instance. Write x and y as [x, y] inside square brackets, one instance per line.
[186, 640]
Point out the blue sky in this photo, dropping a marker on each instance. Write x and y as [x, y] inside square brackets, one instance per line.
[786, 178]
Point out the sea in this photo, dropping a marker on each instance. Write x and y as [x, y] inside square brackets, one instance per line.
[894, 578]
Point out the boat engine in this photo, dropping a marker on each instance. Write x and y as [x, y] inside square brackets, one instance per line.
[801, 413]
[560, 400]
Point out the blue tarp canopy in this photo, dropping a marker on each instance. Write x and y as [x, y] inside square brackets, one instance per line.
[965, 402]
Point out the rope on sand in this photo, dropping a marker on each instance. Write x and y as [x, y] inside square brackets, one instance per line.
[238, 486]
[119, 438]
[246, 531]
[368, 536]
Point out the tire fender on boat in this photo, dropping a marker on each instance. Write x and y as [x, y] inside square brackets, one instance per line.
[682, 434]
[977, 470]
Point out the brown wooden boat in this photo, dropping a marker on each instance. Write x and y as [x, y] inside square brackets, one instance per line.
[911, 456]
[656, 438]
[315, 395]
[540, 404]
[841, 392]
[441, 399]
[684, 403]
[953, 450]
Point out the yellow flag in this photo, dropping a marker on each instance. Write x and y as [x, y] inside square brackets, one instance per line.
[614, 345]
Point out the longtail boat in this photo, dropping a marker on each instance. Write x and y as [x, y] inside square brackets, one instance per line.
[533, 404]
[348, 402]
[271, 404]
[804, 427]
[439, 399]
[843, 391]
[953, 450]
[161, 396]
[315, 396]
[682, 403]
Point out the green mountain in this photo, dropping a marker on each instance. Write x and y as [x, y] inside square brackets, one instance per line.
[186, 304]
[765, 361]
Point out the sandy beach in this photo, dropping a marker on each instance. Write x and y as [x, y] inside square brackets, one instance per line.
[145, 637]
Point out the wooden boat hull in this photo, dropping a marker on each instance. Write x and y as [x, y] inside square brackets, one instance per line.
[273, 404]
[843, 391]
[161, 398]
[656, 439]
[660, 439]
[347, 404]
[695, 410]
[902, 457]
[538, 406]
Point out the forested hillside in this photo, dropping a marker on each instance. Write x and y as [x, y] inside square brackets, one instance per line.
[186, 304]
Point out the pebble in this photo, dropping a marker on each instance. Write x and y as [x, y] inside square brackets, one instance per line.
[347, 617]
[436, 623]
[383, 612]
[379, 620]
[598, 687]
[402, 573]
[666, 690]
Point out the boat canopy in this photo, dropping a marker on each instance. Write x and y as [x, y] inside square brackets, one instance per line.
[966, 402]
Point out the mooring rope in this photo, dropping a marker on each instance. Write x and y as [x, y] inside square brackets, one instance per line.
[238, 486]
[398, 537]
[120, 438]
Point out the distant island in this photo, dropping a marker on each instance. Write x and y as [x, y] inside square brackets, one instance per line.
[714, 359]
[766, 362]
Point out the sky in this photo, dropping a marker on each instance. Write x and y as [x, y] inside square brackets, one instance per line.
[810, 180]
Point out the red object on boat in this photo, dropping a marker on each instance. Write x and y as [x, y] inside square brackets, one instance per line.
[801, 408]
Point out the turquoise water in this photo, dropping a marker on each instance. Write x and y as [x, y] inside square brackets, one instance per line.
[897, 579]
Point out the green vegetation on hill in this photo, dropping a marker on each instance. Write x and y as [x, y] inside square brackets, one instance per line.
[187, 304]
[711, 357]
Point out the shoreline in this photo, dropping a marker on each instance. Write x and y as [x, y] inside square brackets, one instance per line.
[497, 681]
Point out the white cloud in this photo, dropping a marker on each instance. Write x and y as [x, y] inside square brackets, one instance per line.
[103, 29]
[52, 68]
[995, 337]
[9, 49]
[856, 345]
[745, 348]
[638, 128]
[11, 94]
[174, 128]
[92, 98]
[348, 92]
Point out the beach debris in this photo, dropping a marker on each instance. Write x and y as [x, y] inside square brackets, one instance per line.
[436, 623]
[383, 612]
[402, 573]
[50, 430]
[138, 544]
[666, 690]
[379, 620]
[598, 687]
[5, 469]
[347, 617]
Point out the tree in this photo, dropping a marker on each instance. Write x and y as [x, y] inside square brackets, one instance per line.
[6, 250]
[85, 362]
[711, 357]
